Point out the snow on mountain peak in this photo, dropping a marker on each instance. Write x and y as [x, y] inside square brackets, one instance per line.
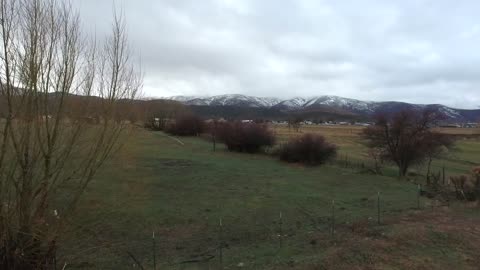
[227, 100]
[291, 104]
[298, 103]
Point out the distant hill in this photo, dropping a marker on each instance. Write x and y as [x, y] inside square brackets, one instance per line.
[242, 106]
[321, 108]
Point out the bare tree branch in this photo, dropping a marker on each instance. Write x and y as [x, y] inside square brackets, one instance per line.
[60, 119]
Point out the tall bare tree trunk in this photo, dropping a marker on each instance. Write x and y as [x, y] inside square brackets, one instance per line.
[53, 82]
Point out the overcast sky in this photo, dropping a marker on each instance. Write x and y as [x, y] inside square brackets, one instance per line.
[406, 50]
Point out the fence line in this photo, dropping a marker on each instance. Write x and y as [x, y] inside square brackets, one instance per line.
[318, 224]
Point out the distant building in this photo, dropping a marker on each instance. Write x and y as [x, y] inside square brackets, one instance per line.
[450, 126]
[470, 125]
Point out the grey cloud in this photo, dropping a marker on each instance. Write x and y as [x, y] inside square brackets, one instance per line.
[421, 51]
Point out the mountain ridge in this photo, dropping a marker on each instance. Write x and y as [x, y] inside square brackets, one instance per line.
[325, 103]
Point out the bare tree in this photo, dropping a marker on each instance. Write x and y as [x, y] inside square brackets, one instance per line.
[54, 81]
[405, 139]
[156, 114]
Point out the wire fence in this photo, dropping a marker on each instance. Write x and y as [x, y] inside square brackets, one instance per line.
[234, 241]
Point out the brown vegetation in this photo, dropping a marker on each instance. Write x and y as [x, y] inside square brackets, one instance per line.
[467, 186]
[440, 239]
[155, 114]
[186, 125]
[310, 149]
[245, 137]
[295, 122]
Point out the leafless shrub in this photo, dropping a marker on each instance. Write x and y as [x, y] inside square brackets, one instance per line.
[186, 125]
[467, 186]
[310, 149]
[245, 137]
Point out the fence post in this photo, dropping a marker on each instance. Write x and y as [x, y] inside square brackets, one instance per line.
[214, 142]
[333, 217]
[419, 190]
[55, 258]
[443, 174]
[378, 208]
[221, 243]
[154, 251]
[280, 230]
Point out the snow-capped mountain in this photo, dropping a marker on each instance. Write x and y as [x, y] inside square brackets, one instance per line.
[323, 103]
[227, 100]
[349, 104]
[292, 104]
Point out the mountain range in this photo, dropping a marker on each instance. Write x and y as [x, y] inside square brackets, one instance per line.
[311, 107]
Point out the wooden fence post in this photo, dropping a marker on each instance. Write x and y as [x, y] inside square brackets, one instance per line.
[154, 251]
[333, 218]
[443, 174]
[378, 208]
[214, 142]
[221, 243]
[280, 230]
[419, 190]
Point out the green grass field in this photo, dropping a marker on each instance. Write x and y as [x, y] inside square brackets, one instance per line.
[181, 191]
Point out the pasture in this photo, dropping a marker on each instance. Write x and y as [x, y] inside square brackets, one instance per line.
[351, 148]
[180, 191]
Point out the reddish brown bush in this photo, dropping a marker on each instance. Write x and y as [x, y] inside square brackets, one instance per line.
[245, 137]
[186, 125]
[310, 149]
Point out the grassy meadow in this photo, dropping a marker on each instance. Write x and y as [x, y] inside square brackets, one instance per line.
[274, 215]
[464, 156]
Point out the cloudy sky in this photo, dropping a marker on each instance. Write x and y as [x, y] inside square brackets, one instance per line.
[423, 51]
